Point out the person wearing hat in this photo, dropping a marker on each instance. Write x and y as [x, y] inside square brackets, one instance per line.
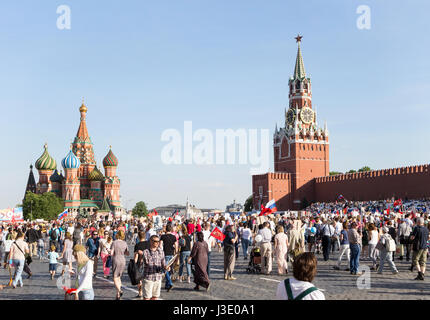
[84, 280]
[385, 251]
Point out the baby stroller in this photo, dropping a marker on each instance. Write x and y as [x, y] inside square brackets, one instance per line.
[254, 261]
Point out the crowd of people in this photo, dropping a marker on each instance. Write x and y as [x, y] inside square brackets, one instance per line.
[179, 249]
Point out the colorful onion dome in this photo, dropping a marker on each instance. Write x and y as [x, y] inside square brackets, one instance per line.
[71, 161]
[110, 160]
[46, 162]
[96, 175]
[56, 177]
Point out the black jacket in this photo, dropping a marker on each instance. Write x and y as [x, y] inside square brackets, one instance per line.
[32, 235]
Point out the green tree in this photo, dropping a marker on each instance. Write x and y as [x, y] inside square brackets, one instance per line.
[333, 173]
[248, 204]
[140, 209]
[45, 206]
[352, 171]
[364, 169]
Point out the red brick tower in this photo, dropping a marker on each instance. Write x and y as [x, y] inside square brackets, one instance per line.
[83, 148]
[301, 148]
[112, 182]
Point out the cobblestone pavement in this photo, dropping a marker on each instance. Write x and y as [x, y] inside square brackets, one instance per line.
[337, 285]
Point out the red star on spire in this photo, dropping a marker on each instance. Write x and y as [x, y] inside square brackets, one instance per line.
[298, 38]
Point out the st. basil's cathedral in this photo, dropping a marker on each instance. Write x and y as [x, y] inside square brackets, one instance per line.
[83, 187]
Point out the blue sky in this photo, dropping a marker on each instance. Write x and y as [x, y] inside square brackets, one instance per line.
[147, 66]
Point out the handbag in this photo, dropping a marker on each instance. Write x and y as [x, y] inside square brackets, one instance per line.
[109, 261]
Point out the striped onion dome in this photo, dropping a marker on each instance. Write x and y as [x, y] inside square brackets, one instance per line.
[71, 161]
[110, 160]
[46, 162]
[96, 175]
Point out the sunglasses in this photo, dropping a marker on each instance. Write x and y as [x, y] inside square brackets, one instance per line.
[156, 241]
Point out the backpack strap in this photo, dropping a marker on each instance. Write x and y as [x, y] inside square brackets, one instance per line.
[288, 289]
[305, 293]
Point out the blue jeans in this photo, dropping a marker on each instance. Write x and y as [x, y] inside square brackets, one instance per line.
[169, 282]
[354, 263]
[86, 294]
[40, 252]
[245, 245]
[183, 261]
[19, 267]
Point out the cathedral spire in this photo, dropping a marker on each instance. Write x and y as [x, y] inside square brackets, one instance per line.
[31, 183]
[82, 134]
[299, 70]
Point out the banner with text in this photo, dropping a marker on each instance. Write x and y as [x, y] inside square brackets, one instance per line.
[9, 214]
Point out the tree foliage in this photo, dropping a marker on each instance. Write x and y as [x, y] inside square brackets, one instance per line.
[352, 171]
[364, 169]
[248, 204]
[333, 173]
[140, 209]
[45, 206]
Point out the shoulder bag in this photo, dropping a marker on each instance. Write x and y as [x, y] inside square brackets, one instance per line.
[28, 258]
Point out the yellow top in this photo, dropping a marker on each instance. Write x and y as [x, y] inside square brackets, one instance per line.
[83, 107]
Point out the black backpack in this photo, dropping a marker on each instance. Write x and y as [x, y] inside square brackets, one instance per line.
[133, 273]
[53, 235]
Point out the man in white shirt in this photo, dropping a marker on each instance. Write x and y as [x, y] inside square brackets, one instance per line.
[327, 233]
[266, 248]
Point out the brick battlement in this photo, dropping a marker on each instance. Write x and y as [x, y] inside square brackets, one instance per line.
[375, 173]
[279, 175]
[404, 182]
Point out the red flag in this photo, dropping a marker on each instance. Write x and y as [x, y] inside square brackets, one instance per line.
[265, 211]
[217, 234]
[155, 213]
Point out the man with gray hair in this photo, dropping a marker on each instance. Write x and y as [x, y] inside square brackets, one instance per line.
[419, 238]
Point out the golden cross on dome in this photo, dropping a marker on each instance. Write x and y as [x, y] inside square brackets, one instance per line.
[298, 38]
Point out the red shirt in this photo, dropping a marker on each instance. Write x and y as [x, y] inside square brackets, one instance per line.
[190, 228]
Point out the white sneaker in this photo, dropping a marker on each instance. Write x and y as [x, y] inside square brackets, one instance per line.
[180, 279]
[189, 279]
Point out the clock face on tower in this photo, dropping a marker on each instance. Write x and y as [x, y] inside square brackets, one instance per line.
[307, 115]
[291, 116]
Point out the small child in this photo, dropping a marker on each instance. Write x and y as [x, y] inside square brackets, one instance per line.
[53, 256]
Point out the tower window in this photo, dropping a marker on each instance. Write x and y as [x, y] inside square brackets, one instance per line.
[298, 85]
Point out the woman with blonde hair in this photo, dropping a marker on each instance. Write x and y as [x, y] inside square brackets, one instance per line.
[67, 254]
[84, 280]
[118, 250]
[281, 250]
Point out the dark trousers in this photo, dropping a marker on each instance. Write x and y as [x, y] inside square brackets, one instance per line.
[326, 243]
[208, 269]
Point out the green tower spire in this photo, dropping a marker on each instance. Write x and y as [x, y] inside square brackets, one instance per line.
[299, 70]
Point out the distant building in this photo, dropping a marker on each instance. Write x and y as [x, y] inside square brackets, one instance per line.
[234, 207]
[167, 211]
